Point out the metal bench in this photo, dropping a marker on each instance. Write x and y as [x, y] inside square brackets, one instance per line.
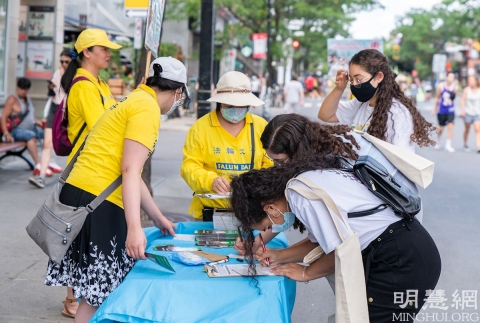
[14, 149]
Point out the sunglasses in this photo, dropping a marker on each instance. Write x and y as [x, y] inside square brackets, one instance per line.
[64, 62]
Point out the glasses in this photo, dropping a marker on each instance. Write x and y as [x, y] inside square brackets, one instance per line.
[278, 162]
[360, 82]
[64, 62]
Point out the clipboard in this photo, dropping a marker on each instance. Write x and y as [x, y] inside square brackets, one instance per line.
[210, 256]
[237, 270]
[214, 196]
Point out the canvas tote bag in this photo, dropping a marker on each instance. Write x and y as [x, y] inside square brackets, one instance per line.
[416, 168]
[56, 225]
[350, 290]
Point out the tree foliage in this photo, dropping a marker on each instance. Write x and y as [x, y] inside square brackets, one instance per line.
[319, 20]
[425, 32]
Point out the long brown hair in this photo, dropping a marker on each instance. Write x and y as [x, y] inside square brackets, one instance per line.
[372, 61]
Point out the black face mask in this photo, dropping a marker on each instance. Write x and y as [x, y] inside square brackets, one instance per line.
[365, 92]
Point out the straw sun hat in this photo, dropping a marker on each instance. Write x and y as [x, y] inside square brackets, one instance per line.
[234, 88]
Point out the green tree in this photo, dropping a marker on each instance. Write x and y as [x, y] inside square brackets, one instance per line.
[319, 20]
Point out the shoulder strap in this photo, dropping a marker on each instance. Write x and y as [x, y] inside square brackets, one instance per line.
[100, 198]
[252, 162]
[76, 80]
[317, 193]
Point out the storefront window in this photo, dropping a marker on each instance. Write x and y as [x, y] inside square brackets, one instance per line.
[3, 45]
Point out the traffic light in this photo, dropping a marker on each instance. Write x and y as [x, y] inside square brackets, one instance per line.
[296, 44]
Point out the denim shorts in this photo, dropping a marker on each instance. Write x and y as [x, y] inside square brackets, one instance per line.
[26, 134]
[471, 118]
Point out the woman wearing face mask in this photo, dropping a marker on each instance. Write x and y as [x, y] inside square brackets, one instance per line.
[380, 107]
[112, 238]
[220, 144]
[260, 202]
[88, 98]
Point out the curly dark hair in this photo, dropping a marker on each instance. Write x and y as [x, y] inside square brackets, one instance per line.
[372, 61]
[257, 187]
[298, 137]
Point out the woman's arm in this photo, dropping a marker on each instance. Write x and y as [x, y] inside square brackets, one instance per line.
[320, 268]
[7, 111]
[133, 159]
[148, 205]
[437, 100]
[462, 102]
[329, 106]
[192, 171]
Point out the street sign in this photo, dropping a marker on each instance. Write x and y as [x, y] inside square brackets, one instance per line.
[137, 37]
[136, 8]
[439, 63]
[260, 45]
[134, 13]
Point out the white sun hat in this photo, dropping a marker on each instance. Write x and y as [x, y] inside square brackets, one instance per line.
[234, 88]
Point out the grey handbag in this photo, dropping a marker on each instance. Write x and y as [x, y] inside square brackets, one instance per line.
[56, 225]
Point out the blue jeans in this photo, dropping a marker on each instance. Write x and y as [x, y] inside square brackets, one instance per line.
[26, 134]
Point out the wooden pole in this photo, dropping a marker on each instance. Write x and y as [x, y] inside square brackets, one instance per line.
[147, 67]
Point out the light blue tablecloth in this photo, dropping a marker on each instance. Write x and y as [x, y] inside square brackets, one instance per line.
[151, 294]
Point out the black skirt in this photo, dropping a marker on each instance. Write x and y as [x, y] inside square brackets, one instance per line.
[96, 262]
[401, 265]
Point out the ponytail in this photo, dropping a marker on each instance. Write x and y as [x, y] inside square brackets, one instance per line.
[71, 69]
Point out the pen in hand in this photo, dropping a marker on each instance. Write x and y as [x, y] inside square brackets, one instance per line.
[264, 249]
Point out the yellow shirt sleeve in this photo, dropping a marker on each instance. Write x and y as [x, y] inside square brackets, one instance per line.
[85, 101]
[143, 123]
[192, 171]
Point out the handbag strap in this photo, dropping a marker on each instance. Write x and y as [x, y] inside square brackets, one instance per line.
[252, 162]
[100, 198]
[317, 193]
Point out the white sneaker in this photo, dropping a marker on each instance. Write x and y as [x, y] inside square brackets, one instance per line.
[437, 147]
[449, 149]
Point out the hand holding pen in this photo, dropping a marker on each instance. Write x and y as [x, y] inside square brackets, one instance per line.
[264, 249]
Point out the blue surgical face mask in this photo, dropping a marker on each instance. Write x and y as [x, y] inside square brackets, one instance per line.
[288, 217]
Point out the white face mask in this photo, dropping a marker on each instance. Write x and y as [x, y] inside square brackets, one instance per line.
[176, 104]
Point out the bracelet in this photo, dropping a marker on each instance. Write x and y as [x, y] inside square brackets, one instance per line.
[303, 275]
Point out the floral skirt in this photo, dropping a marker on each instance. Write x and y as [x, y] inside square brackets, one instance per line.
[97, 261]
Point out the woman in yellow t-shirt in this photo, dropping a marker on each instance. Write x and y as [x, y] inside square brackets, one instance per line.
[112, 238]
[89, 98]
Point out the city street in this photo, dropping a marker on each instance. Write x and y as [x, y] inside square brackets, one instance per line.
[451, 215]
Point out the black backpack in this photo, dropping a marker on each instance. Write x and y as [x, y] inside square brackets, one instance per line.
[376, 178]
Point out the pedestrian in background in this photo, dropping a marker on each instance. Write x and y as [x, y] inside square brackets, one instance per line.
[88, 99]
[470, 107]
[220, 144]
[29, 129]
[111, 238]
[48, 166]
[444, 108]
[380, 107]
[293, 93]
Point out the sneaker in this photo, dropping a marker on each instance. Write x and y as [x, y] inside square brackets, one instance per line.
[437, 147]
[37, 181]
[466, 149]
[449, 149]
[54, 167]
[48, 172]
[36, 170]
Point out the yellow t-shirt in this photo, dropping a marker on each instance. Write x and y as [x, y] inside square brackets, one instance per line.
[85, 105]
[211, 151]
[135, 117]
